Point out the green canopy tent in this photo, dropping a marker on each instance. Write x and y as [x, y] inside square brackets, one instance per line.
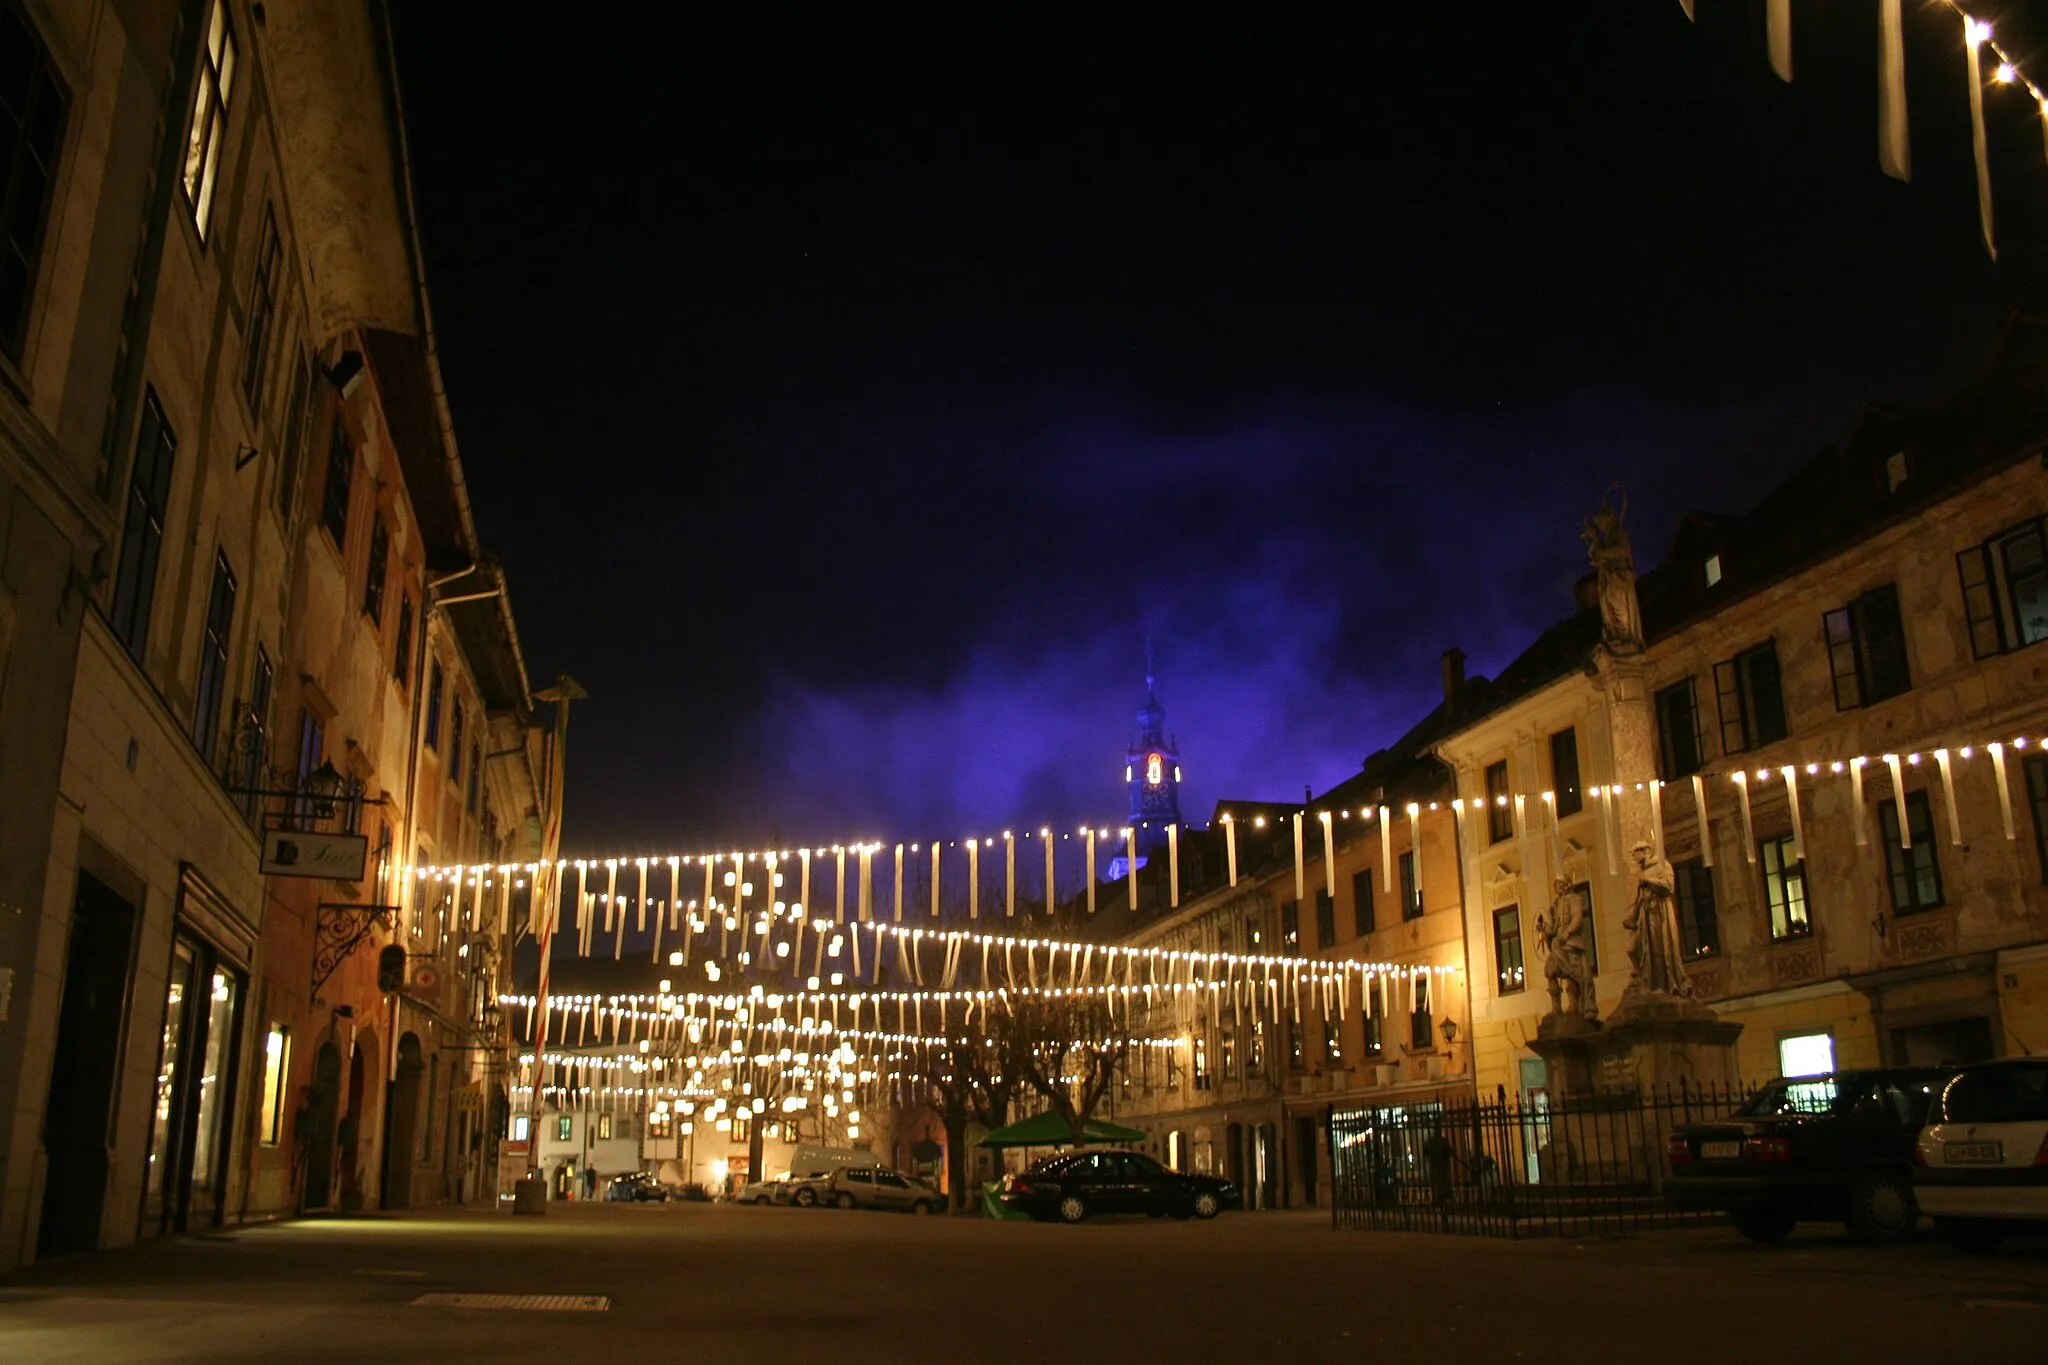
[1050, 1130]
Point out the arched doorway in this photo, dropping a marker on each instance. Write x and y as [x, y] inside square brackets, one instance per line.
[402, 1116]
[352, 1132]
[313, 1129]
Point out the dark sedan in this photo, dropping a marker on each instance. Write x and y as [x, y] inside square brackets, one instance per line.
[1073, 1185]
[636, 1187]
[1835, 1148]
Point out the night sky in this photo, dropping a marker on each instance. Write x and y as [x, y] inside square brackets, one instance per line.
[849, 397]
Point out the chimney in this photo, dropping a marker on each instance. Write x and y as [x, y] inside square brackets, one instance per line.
[1454, 680]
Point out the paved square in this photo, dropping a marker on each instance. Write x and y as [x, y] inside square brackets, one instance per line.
[765, 1284]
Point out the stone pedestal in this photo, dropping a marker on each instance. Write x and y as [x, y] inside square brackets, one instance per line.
[1651, 1043]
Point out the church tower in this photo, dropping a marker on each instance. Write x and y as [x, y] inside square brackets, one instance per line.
[1152, 769]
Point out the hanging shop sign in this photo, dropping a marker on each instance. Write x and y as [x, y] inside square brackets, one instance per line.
[299, 853]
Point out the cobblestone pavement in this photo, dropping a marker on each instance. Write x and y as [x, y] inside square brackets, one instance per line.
[763, 1284]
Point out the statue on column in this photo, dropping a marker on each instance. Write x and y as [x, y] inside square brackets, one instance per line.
[1561, 932]
[1614, 575]
[1656, 956]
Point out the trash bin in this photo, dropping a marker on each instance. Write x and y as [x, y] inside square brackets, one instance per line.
[530, 1196]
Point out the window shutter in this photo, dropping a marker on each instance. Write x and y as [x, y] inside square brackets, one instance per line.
[1841, 634]
[1980, 602]
[1728, 691]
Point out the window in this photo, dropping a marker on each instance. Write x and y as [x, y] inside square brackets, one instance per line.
[1895, 471]
[604, 1127]
[1500, 821]
[1507, 949]
[1785, 889]
[1421, 1027]
[455, 748]
[1915, 873]
[434, 705]
[32, 101]
[1374, 1026]
[1752, 703]
[142, 537]
[1867, 649]
[661, 1124]
[341, 473]
[373, 580]
[213, 657]
[564, 1126]
[1226, 1049]
[2035, 766]
[262, 681]
[401, 654]
[291, 443]
[1411, 894]
[215, 86]
[1290, 928]
[1254, 935]
[1361, 902]
[1326, 920]
[1297, 1055]
[312, 744]
[521, 1125]
[476, 775]
[277, 1054]
[1699, 928]
[262, 313]
[1712, 569]
[1678, 731]
[1564, 772]
[1806, 1054]
[1333, 1042]
[2005, 590]
[1201, 1063]
[1173, 1069]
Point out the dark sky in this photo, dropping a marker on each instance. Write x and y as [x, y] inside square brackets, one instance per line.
[849, 397]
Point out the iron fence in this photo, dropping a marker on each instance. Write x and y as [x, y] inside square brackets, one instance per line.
[1528, 1168]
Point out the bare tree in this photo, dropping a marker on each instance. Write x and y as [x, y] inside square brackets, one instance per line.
[1069, 1051]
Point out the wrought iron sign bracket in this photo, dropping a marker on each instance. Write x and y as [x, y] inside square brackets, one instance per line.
[339, 928]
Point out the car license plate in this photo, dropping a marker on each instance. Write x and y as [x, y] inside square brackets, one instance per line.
[1972, 1153]
[1721, 1151]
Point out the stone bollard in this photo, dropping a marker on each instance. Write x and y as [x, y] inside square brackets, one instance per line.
[530, 1196]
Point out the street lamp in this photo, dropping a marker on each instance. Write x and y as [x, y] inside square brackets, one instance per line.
[323, 784]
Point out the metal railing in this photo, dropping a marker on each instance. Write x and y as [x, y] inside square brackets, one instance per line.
[1594, 1166]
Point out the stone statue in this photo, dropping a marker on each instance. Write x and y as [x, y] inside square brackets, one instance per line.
[1614, 575]
[1561, 932]
[1656, 956]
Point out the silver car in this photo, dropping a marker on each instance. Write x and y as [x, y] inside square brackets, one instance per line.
[875, 1187]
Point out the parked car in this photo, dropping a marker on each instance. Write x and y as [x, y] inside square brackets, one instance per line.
[1981, 1166]
[875, 1187]
[762, 1191]
[1070, 1186]
[1834, 1148]
[636, 1187]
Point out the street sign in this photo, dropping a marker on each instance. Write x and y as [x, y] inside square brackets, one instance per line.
[302, 853]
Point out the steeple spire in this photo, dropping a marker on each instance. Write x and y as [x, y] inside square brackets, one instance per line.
[1151, 767]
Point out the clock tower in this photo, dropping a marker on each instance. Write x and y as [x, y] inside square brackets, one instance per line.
[1152, 769]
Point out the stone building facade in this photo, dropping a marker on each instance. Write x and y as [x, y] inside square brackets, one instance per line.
[1246, 1088]
[1857, 642]
[245, 489]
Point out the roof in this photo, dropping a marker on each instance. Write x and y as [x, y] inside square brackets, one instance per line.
[1835, 500]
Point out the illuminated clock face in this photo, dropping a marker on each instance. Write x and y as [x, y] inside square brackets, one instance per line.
[1155, 769]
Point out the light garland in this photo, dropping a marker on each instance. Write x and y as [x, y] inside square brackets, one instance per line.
[1894, 152]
